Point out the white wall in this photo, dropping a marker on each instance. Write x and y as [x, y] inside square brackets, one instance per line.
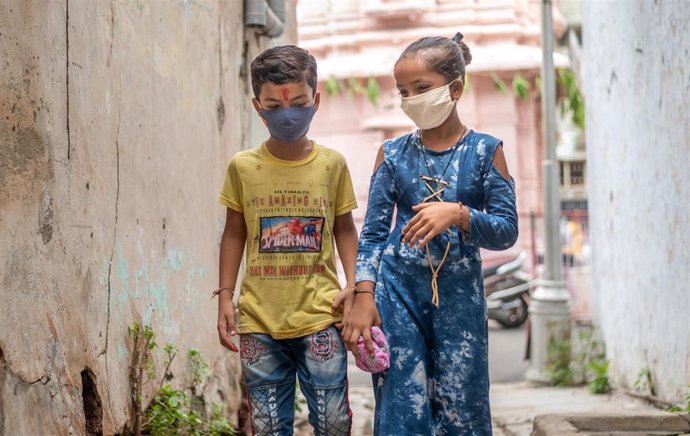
[117, 120]
[637, 83]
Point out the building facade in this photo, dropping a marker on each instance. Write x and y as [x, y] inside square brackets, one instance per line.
[356, 44]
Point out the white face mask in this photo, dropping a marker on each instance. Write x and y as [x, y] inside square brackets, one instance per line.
[430, 109]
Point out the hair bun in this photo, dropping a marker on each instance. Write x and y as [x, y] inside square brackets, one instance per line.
[466, 56]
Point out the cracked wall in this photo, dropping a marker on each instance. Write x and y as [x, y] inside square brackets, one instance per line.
[117, 120]
[636, 86]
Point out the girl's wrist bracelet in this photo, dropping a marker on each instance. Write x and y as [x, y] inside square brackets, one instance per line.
[364, 291]
[219, 290]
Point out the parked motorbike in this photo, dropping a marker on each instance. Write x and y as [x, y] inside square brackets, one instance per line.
[507, 290]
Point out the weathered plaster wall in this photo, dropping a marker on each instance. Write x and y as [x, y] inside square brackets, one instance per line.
[637, 80]
[117, 120]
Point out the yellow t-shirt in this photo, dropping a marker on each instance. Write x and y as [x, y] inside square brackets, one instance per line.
[289, 208]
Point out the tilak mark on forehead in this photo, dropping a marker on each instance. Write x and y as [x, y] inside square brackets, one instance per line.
[285, 93]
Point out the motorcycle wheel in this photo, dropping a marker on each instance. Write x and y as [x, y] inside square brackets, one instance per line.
[517, 316]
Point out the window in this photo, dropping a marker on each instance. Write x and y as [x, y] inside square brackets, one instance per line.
[577, 173]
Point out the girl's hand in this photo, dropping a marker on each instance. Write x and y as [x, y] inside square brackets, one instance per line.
[359, 321]
[430, 220]
[226, 323]
[343, 303]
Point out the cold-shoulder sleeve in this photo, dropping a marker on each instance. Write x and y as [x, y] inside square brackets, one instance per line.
[496, 226]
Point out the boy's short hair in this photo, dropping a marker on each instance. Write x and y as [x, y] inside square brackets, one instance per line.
[283, 64]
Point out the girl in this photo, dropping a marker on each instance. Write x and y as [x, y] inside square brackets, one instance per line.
[422, 281]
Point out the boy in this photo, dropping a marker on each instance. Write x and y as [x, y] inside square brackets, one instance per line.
[286, 201]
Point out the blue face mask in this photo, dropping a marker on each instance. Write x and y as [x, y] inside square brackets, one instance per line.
[288, 124]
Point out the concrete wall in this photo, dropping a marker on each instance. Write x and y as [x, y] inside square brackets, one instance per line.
[117, 120]
[637, 80]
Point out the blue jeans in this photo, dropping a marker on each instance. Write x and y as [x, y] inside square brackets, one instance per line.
[269, 367]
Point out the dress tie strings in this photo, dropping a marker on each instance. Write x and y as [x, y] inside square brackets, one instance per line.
[435, 194]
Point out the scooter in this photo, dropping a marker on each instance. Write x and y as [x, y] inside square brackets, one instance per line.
[507, 290]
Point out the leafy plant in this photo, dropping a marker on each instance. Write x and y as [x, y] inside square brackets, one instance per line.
[573, 101]
[558, 362]
[521, 86]
[680, 408]
[373, 91]
[600, 382]
[499, 84]
[172, 410]
[332, 86]
[199, 368]
[169, 414]
[354, 86]
[645, 381]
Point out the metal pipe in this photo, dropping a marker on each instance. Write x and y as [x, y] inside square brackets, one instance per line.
[550, 308]
[274, 25]
[552, 210]
[255, 13]
[269, 17]
[278, 7]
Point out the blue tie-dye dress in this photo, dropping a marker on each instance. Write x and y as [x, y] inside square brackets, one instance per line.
[438, 383]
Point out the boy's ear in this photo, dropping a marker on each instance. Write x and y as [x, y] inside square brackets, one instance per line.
[456, 90]
[317, 100]
[257, 105]
[257, 108]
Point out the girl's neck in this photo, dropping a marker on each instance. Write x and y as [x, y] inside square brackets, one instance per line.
[290, 151]
[444, 136]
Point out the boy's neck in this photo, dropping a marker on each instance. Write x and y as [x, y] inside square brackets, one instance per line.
[296, 151]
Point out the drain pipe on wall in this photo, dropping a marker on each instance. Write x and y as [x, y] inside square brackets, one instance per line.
[268, 16]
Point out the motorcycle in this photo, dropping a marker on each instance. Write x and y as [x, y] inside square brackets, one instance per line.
[507, 289]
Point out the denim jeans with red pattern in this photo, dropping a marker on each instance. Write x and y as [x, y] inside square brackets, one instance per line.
[271, 368]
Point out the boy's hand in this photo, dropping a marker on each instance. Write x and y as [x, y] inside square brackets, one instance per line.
[226, 324]
[358, 323]
[343, 303]
[430, 220]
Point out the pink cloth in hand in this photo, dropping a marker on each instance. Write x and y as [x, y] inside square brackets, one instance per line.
[380, 360]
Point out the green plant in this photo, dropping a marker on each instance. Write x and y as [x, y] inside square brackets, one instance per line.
[600, 382]
[332, 86]
[354, 86]
[573, 100]
[218, 425]
[645, 381]
[141, 369]
[169, 414]
[681, 408]
[373, 91]
[589, 354]
[558, 362]
[198, 367]
[521, 86]
[172, 411]
[499, 84]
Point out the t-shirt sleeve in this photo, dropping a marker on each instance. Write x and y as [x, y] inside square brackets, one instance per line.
[345, 197]
[231, 193]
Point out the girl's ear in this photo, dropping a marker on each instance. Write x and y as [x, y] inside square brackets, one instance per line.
[456, 90]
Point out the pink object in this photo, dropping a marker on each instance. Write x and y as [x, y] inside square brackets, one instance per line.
[380, 360]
